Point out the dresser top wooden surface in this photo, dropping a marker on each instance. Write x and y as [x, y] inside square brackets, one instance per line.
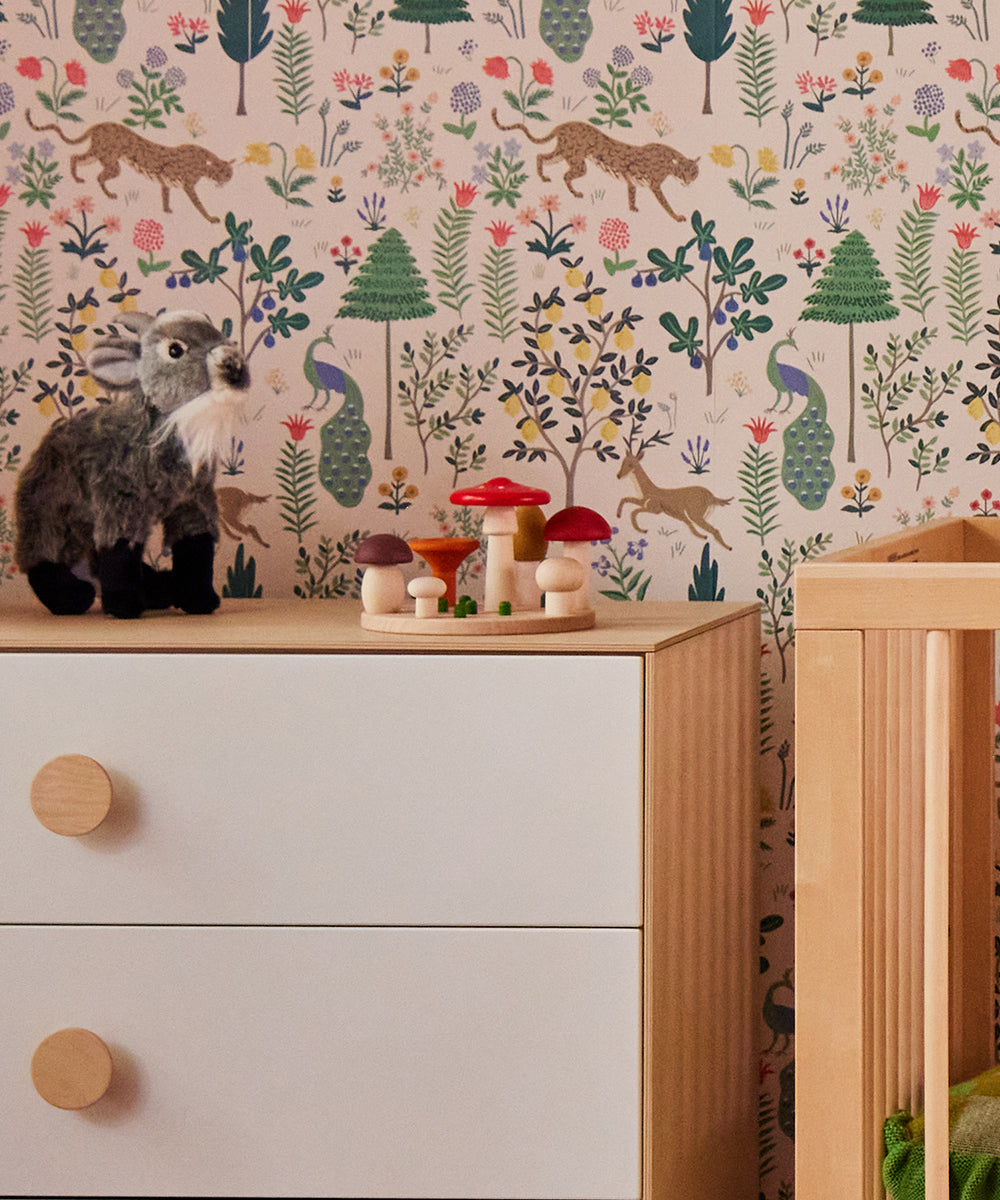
[333, 626]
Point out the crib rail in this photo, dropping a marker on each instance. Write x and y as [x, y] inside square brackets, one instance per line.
[894, 851]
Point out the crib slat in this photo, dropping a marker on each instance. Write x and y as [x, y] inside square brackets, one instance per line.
[936, 892]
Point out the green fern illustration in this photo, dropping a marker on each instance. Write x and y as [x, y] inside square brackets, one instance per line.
[293, 58]
[913, 258]
[296, 473]
[759, 476]
[755, 58]
[451, 261]
[33, 282]
[499, 281]
[963, 281]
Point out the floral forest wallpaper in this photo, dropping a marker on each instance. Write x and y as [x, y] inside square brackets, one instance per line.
[743, 255]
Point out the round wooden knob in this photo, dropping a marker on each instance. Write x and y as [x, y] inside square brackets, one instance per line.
[71, 794]
[71, 1069]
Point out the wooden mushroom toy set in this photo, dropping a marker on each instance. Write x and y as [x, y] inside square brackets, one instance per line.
[529, 586]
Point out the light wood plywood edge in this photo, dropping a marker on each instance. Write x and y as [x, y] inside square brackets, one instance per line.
[832, 1117]
[701, 908]
[334, 626]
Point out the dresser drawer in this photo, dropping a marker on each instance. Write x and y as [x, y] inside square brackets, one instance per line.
[330, 789]
[317, 1062]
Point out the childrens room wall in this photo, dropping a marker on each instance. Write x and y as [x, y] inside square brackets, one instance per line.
[741, 258]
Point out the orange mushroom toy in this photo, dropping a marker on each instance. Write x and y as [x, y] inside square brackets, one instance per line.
[576, 527]
[444, 555]
[501, 498]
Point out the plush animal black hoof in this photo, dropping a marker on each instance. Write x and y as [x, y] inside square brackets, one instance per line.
[193, 559]
[62, 592]
[119, 571]
[157, 587]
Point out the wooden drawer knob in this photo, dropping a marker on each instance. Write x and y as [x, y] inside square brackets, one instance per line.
[71, 1069]
[71, 794]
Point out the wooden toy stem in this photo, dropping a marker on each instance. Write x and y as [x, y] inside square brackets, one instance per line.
[71, 794]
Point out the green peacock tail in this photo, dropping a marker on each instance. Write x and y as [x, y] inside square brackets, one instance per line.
[807, 466]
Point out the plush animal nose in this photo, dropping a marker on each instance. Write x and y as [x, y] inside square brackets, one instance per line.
[228, 366]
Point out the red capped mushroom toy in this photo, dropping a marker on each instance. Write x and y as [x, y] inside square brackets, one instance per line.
[501, 498]
[576, 527]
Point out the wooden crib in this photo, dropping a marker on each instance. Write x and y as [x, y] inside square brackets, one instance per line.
[894, 844]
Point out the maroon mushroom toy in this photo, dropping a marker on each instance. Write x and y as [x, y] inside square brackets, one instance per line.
[383, 588]
[501, 498]
[576, 527]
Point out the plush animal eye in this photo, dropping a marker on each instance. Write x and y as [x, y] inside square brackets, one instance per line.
[175, 349]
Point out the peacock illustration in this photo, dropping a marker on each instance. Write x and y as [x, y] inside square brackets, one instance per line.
[806, 465]
[786, 378]
[344, 467]
[779, 1018]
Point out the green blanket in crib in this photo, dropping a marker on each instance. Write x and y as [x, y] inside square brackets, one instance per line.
[974, 1140]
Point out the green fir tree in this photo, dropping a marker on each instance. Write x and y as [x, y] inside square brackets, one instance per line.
[430, 12]
[851, 289]
[388, 287]
[893, 13]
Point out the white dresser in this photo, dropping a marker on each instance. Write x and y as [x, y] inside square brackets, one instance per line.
[386, 916]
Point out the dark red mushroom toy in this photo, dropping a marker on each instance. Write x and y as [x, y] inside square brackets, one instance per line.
[576, 527]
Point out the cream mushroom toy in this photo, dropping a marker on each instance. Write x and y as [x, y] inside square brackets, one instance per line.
[383, 588]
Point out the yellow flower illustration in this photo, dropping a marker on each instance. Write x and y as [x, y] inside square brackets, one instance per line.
[722, 156]
[767, 160]
[874, 494]
[258, 153]
[305, 160]
[862, 476]
[864, 59]
[847, 493]
[401, 56]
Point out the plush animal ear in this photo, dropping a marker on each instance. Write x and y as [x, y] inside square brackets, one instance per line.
[114, 360]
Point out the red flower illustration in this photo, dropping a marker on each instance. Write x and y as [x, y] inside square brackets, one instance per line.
[760, 430]
[960, 69]
[297, 426]
[4, 194]
[613, 234]
[148, 235]
[34, 231]
[964, 235]
[500, 231]
[295, 10]
[465, 193]
[30, 68]
[542, 72]
[758, 11]
[496, 67]
[928, 196]
[76, 74]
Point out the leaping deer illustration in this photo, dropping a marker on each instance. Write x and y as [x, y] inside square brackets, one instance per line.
[689, 504]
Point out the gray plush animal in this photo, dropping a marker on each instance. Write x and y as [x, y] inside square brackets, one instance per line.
[99, 483]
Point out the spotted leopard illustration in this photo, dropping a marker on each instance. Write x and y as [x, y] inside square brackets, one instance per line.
[577, 142]
[111, 144]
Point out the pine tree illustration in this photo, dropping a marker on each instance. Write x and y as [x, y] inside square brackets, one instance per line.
[894, 12]
[430, 12]
[388, 287]
[850, 289]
